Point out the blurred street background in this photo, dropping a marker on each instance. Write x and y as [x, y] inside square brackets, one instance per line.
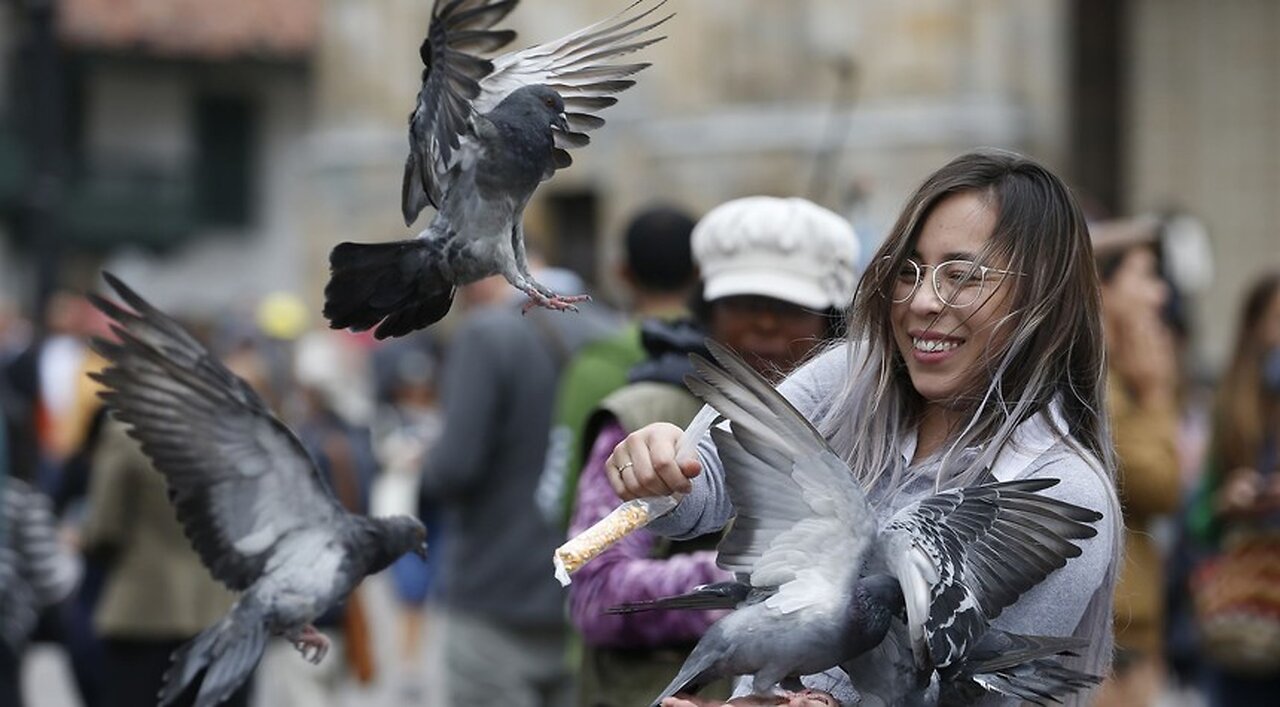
[212, 152]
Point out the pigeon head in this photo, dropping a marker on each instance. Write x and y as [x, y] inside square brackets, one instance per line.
[537, 101]
[399, 535]
[884, 590]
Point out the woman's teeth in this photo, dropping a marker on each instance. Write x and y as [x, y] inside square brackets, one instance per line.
[934, 345]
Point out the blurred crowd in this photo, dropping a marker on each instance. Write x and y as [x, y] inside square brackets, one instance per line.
[495, 434]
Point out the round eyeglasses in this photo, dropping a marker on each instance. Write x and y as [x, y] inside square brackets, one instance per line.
[956, 283]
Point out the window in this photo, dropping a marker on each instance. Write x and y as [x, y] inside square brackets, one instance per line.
[224, 127]
[574, 231]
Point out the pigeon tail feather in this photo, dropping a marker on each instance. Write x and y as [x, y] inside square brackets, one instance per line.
[697, 671]
[396, 287]
[1020, 666]
[722, 595]
[226, 653]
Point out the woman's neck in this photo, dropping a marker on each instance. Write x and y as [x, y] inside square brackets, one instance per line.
[935, 425]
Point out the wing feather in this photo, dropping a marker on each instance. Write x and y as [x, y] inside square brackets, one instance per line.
[239, 479]
[457, 85]
[976, 550]
[577, 66]
[802, 523]
[440, 124]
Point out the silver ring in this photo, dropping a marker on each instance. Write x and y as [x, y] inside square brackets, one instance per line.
[623, 467]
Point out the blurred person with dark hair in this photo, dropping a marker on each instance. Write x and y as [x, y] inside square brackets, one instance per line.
[36, 571]
[45, 381]
[1236, 514]
[1142, 402]
[504, 635]
[659, 275]
[407, 425]
[777, 275]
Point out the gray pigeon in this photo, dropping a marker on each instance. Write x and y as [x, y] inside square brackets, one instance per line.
[484, 134]
[249, 498]
[826, 583]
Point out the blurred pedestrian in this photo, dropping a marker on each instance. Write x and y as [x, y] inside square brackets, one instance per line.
[45, 378]
[1142, 401]
[157, 593]
[328, 399]
[777, 274]
[658, 275]
[36, 572]
[406, 426]
[1237, 515]
[505, 631]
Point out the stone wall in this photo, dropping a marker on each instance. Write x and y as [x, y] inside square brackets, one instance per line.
[1204, 135]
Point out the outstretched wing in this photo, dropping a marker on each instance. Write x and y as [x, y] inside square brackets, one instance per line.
[450, 84]
[963, 555]
[802, 522]
[578, 66]
[239, 479]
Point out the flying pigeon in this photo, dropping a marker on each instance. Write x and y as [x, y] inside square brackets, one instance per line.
[825, 583]
[483, 135]
[250, 500]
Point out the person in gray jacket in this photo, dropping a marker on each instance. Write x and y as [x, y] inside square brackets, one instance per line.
[504, 633]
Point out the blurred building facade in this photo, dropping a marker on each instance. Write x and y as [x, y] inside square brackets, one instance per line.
[1144, 104]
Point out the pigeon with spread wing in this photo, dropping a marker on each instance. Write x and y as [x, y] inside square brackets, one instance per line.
[483, 135]
[824, 582]
[250, 500]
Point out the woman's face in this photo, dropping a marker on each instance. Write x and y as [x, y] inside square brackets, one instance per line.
[941, 344]
[1134, 293]
[771, 335]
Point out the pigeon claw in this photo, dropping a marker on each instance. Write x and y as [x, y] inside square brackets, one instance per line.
[813, 697]
[313, 641]
[559, 303]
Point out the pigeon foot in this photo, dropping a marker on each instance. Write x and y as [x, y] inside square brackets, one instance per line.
[559, 303]
[311, 639]
[813, 697]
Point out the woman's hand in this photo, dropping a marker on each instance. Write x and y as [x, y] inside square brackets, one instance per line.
[804, 698]
[644, 464]
[1241, 492]
[1271, 492]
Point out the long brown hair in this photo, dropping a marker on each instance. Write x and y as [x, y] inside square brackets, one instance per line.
[1242, 403]
[1048, 350]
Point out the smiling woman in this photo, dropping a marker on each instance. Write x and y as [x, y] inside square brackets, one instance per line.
[944, 331]
[974, 349]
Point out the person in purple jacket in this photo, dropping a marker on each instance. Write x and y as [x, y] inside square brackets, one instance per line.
[776, 277]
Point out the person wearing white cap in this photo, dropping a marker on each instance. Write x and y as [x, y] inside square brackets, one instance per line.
[777, 275]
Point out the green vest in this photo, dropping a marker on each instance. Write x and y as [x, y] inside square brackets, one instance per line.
[597, 370]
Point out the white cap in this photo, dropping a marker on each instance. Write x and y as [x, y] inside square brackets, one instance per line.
[788, 249]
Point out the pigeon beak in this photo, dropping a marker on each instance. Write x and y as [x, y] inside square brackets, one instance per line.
[421, 551]
[561, 122]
